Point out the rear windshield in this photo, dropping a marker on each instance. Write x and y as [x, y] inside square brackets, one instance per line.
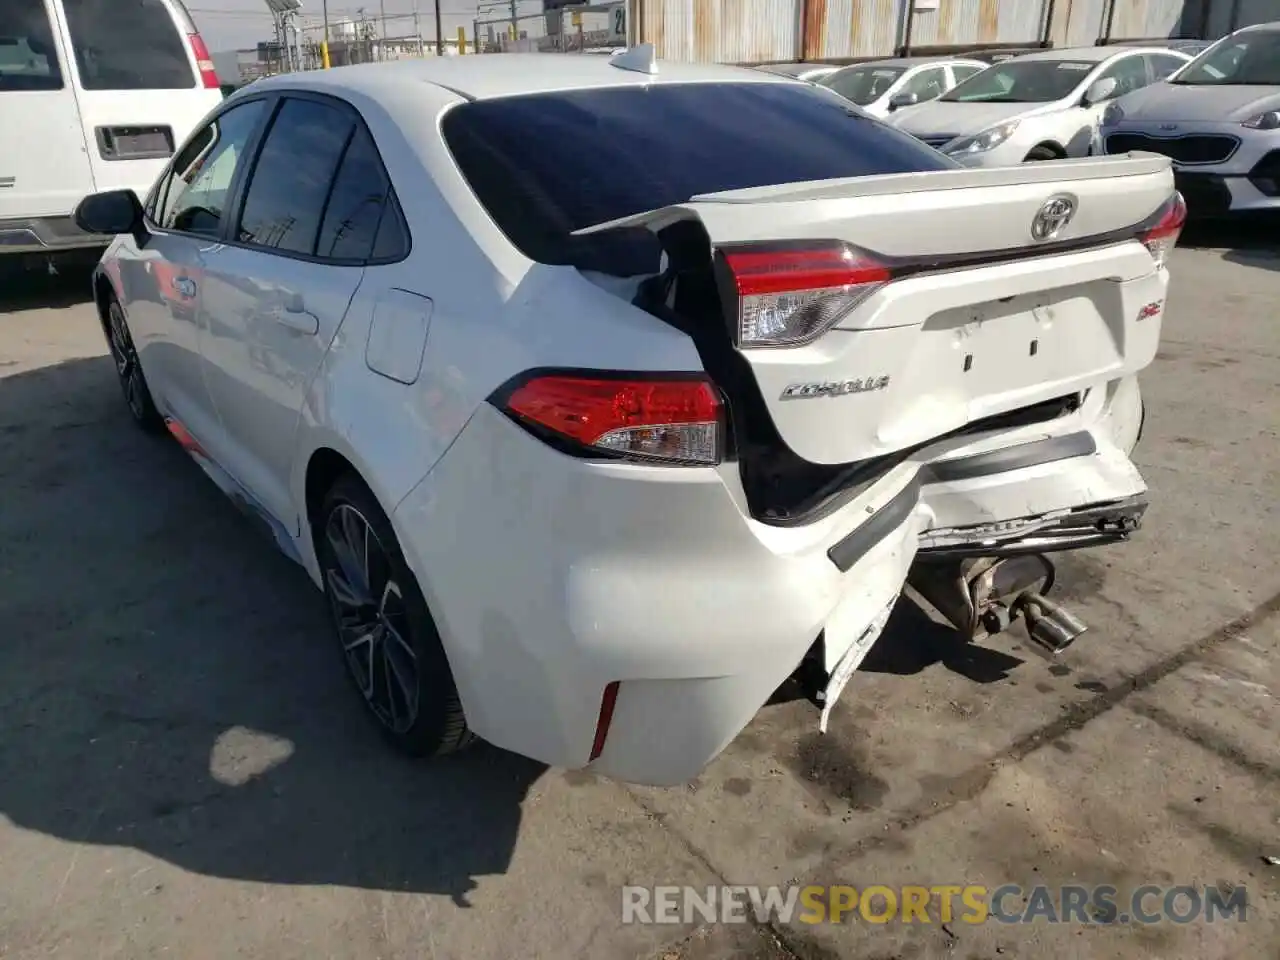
[128, 45]
[545, 165]
[28, 56]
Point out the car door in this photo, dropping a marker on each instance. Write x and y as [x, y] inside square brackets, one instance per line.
[161, 277]
[1081, 120]
[276, 293]
[44, 167]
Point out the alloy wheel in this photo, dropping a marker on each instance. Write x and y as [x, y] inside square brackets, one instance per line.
[372, 619]
[126, 360]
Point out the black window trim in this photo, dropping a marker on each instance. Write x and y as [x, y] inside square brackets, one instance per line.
[240, 187]
[161, 189]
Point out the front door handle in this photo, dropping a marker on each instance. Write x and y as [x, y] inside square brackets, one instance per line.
[184, 286]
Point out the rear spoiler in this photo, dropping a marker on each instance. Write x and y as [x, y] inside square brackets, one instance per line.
[1137, 163]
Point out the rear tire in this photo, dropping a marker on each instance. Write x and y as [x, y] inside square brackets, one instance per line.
[389, 642]
[137, 395]
[1041, 153]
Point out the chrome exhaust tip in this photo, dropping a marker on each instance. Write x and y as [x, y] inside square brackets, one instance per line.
[1052, 629]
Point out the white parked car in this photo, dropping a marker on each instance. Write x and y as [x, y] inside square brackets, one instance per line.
[94, 95]
[811, 72]
[586, 464]
[1039, 106]
[883, 86]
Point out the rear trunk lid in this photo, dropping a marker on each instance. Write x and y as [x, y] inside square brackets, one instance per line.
[934, 300]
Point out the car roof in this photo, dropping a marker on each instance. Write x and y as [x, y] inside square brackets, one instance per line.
[796, 69]
[911, 61]
[1091, 54]
[511, 74]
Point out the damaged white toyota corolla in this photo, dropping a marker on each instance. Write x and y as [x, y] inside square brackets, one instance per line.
[601, 396]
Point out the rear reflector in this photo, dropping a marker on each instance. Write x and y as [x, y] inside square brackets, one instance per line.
[607, 703]
[1163, 237]
[789, 295]
[658, 418]
[204, 63]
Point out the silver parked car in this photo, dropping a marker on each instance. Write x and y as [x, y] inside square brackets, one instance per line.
[1218, 118]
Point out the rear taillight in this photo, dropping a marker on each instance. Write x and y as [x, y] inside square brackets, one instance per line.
[788, 295]
[204, 62]
[1163, 237]
[658, 418]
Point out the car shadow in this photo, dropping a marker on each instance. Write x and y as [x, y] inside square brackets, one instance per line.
[1252, 241]
[168, 683]
[30, 288]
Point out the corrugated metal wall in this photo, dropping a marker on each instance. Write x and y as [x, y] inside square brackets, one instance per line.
[725, 31]
[851, 28]
[758, 30]
[1149, 18]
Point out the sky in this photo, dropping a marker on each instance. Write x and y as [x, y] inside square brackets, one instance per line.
[233, 24]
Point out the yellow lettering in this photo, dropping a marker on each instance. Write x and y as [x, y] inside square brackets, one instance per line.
[975, 898]
[945, 894]
[843, 900]
[915, 901]
[813, 910]
[890, 905]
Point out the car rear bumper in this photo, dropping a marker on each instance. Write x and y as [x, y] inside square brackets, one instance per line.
[552, 578]
[45, 235]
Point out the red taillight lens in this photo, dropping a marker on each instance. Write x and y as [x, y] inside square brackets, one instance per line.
[1163, 237]
[658, 418]
[789, 295]
[204, 63]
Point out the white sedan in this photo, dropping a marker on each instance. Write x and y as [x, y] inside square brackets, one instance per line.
[1039, 106]
[883, 86]
[597, 395]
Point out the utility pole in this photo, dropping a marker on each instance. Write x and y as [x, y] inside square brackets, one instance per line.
[382, 47]
[324, 47]
[439, 32]
[417, 28]
[514, 31]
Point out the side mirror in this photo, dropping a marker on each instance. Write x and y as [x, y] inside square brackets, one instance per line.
[900, 100]
[110, 213]
[1100, 90]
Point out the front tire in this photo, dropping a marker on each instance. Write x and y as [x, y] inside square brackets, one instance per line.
[1041, 153]
[137, 395]
[388, 639]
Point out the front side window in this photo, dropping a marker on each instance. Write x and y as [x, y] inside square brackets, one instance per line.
[964, 71]
[1022, 81]
[1251, 58]
[545, 165]
[1130, 74]
[28, 52]
[127, 45]
[199, 183]
[863, 85]
[927, 84]
[1163, 65]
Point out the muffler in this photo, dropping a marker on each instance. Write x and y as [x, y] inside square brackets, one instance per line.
[1050, 627]
[981, 597]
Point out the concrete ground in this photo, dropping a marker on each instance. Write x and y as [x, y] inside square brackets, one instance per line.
[184, 772]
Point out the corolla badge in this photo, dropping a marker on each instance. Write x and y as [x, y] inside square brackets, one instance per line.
[1053, 215]
[834, 388]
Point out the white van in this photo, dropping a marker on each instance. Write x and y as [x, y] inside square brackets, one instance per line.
[94, 95]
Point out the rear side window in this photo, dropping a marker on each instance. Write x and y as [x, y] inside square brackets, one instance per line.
[356, 203]
[128, 45]
[289, 186]
[545, 165]
[28, 52]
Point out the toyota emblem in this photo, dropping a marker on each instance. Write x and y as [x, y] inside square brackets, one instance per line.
[1055, 214]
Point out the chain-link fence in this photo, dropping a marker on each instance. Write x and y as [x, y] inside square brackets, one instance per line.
[598, 28]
